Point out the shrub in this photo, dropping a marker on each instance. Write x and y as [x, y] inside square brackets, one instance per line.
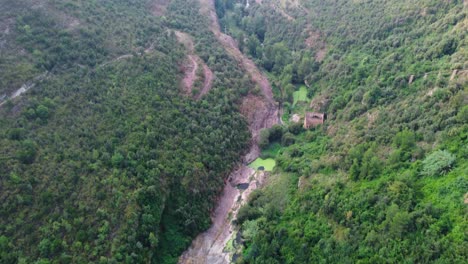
[117, 159]
[247, 213]
[264, 140]
[42, 112]
[437, 163]
[405, 140]
[16, 133]
[287, 139]
[276, 132]
[27, 151]
[296, 128]
[462, 115]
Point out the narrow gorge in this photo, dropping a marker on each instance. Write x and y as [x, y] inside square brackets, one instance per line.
[261, 113]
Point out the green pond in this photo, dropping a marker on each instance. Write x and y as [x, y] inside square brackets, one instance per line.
[268, 164]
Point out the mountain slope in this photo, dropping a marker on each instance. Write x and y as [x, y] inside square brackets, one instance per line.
[105, 159]
[384, 179]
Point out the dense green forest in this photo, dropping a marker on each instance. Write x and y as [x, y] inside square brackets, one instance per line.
[385, 179]
[104, 160]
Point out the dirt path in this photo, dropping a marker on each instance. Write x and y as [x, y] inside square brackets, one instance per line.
[190, 75]
[283, 13]
[123, 57]
[191, 70]
[261, 112]
[207, 83]
[24, 88]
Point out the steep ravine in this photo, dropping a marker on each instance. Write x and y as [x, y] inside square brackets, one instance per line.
[261, 112]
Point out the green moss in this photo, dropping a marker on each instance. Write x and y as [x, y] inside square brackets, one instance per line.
[267, 164]
[300, 95]
[230, 246]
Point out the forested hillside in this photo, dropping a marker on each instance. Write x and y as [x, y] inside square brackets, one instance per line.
[103, 159]
[111, 153]
[385, 178]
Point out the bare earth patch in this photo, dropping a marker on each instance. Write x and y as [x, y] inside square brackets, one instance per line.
[207, 82]
[314, 41]
[258, 114]
[158, 7]
[371, 117]
[191, 66]
[209, 247]
[296, 118]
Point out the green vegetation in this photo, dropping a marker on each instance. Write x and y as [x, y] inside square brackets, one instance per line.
[104, 161]
[384, 180]
[438, 163]
[265, 164]
[369, 219]
[300, 95]
[271, 151]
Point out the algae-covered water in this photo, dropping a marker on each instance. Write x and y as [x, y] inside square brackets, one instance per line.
[300, 95]
[267, 164]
